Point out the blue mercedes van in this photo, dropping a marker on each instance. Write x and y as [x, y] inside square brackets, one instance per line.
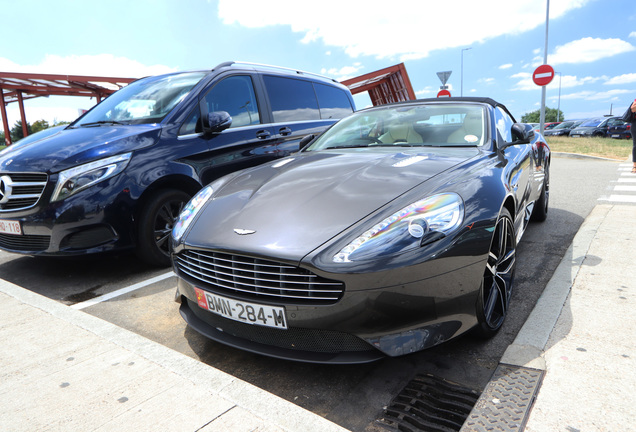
[118, 176]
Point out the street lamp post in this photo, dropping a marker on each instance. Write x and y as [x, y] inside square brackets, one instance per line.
[462, 71]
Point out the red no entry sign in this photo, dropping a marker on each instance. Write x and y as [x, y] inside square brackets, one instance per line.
[443, 93]
[543, 75]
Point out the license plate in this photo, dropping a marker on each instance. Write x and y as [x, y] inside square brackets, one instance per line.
[615, 136]
[248, 313]
[10, 227]
[576, 135]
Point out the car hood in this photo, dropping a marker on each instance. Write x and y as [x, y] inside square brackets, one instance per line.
[71, 147]
[290, 207]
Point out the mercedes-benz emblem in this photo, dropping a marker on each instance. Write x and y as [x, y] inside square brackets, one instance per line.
[240, 231]
[6, 187]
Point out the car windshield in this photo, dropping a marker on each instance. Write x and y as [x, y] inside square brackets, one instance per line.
[148, 100]
[565, 125]
[447, 125]
[591, 123]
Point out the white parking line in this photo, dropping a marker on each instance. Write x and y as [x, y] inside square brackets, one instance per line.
[622, 198]
[121, 291]
[625, 188]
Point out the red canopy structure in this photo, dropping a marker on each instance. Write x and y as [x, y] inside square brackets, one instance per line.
[17, 87]
[386, 85]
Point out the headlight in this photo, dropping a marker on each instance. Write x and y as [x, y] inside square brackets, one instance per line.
[421, 222]
[190, 211]
[81, 177]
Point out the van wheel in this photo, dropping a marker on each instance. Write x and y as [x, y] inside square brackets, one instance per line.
[155, 225]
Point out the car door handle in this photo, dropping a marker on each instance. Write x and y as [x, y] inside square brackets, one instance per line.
[263, 134]
[284, 131]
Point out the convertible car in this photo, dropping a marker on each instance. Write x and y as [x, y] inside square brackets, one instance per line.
[393, 231]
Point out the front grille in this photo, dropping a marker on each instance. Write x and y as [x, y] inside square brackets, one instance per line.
[25, 243]
[252, 278]
[19, 191]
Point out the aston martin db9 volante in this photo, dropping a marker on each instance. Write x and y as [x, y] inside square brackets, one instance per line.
[393, 231]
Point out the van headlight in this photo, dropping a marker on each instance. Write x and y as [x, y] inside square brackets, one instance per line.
[73, 180]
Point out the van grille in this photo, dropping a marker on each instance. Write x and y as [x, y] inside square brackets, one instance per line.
[252, 278]
[19, 191]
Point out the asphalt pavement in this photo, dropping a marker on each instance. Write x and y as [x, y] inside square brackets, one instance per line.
[65, 370]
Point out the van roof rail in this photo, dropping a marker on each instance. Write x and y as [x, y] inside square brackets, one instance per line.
[296, 71]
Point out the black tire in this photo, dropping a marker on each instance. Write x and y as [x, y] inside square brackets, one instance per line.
[540, 211]
[155, 225]
[498, 280]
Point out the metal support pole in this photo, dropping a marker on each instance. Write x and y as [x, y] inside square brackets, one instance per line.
[545, 61]
[25, 129]
[462, 71]
[5, 120]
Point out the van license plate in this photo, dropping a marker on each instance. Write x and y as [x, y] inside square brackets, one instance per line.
[10, 227]
[249, 313]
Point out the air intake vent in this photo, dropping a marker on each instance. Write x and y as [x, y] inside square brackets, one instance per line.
[257, 279]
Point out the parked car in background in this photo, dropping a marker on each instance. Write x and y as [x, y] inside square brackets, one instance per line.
[620, 131]
[551, 125]
[563, 129]
[117, 177]
[392, 232]
[595, 127]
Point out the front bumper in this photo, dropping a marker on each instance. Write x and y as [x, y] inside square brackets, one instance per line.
[370, 321]
[95, 220]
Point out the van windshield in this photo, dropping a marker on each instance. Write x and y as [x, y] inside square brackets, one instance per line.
[148, 100]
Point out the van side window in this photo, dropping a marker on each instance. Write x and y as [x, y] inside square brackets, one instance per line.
[291, 99]
[333, 102]
[235, 95]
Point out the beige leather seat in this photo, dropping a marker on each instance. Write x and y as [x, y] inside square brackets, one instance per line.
[401, 132]
[470, 132]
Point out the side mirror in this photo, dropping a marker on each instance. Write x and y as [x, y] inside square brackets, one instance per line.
[217, 121]
[306, 140]
[522, 133]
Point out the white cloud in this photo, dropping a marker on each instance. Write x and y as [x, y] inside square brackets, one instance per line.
[360, 30]
[588, 50]
[505, 66]
[594, 96]
[622, 79]
[344, 72]
[633, 34]
[106, 65]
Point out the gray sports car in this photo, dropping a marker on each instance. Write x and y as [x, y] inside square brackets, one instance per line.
[393, 231]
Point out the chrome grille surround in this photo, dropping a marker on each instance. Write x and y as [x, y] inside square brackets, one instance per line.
[257, 279]
[20, 191]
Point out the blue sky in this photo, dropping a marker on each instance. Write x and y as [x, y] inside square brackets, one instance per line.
[591, 44]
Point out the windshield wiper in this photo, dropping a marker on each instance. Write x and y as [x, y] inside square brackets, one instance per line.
[346, 146]
[102, 122]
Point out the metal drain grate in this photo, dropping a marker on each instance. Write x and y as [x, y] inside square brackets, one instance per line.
[429, 403]
[506, 401]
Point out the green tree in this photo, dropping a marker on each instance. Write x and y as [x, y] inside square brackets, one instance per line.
[39, 125]
[535, 116]
[16, 131]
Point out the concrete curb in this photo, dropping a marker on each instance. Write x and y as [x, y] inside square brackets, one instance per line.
[528, 347]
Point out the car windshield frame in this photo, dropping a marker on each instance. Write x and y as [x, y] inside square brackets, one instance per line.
[451, 124]
[145, 101]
